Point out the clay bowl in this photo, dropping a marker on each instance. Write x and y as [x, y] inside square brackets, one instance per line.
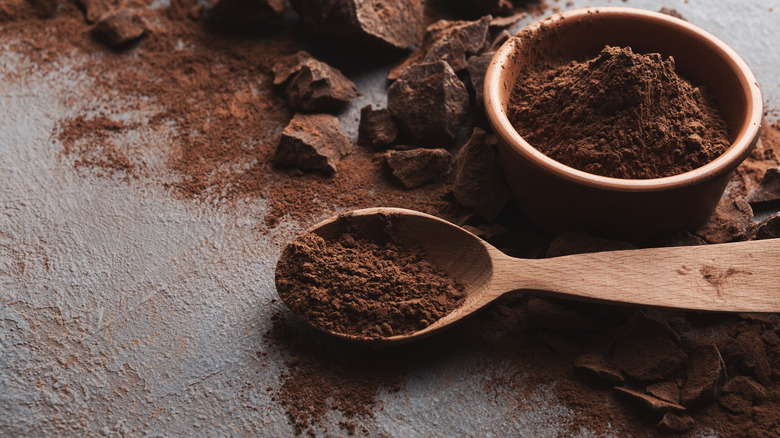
[560, 198]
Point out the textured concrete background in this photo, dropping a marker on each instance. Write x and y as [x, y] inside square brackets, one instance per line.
[124, 311]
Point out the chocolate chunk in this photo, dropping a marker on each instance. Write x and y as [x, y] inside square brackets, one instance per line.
[95, 9]
[450, 41]
[705, 372]
[668, 391]
[741, 393]
[119, 29]
[680, 238]
[429, 103]
[377, 129]
[312, 142]
[768, 228]
[732, 220]
[671, 12]
[248, 11]
[647, 349]
[649, 402]
[552, 316]
[312, 85]
[395, 24]
[479, 182]
[477, 66]
[769, 188]
[677, 423]
[416, 167]
[579, 242]
[595, 365]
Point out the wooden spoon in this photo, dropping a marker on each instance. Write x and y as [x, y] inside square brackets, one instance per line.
[731, 277]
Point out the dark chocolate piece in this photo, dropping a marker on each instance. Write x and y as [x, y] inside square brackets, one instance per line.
[479, 181]
[393, 24]
[312, 85]
[648, 401]
[312, 142]
[732, 220]
[768, 228]
[119, 29]
[677, 423]
[648, 349]
[416, 167]
[429, 103]
[706, 372]
[769, 188]
[377, 129]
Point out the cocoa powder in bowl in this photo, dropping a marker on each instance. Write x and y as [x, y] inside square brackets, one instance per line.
[620, 114]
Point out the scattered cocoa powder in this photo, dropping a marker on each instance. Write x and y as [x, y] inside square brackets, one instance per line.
[620, 114]
[356, 285]
[216, 100]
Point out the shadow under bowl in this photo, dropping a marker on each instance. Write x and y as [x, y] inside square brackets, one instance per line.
[558, 197]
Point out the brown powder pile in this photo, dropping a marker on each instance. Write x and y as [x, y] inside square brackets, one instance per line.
[620, 114]
[358, 286]
[209, 89]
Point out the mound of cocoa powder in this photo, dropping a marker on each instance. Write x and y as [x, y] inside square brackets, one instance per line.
[224, 118]
[620, 114]
[356, 285]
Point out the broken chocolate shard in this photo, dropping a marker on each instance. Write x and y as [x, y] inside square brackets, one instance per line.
[732, 220]
[479, 181]
[741, 393]
[312, 142]
[769, 188]
[648, 401]
[672, 12]
[647, 349]
[449, 41]
[383, 23]
[119, 29]
[594, 365]
[248, 11]
[417, 167]
[768, 228]
[429, 103]
[477, 66]
[676, 423]
[668, 391]
[705, 374]
[94, 10]
[312, 85]
[377, 129]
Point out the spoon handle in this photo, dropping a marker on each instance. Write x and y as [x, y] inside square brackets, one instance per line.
[732, 277]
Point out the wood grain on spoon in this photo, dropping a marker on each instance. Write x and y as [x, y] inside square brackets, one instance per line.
[732, 277]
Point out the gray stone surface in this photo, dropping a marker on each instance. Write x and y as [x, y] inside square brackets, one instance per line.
[124, 311]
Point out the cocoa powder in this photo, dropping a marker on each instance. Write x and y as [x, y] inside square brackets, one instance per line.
[620, 114]
[216, 102]
[357, 285]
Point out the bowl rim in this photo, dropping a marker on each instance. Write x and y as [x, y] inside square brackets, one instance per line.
[726, 162]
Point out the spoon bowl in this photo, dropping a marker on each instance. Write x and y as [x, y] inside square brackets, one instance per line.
[732, 277]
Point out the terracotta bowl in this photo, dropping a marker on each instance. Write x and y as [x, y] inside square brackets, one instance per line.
[559, 197]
